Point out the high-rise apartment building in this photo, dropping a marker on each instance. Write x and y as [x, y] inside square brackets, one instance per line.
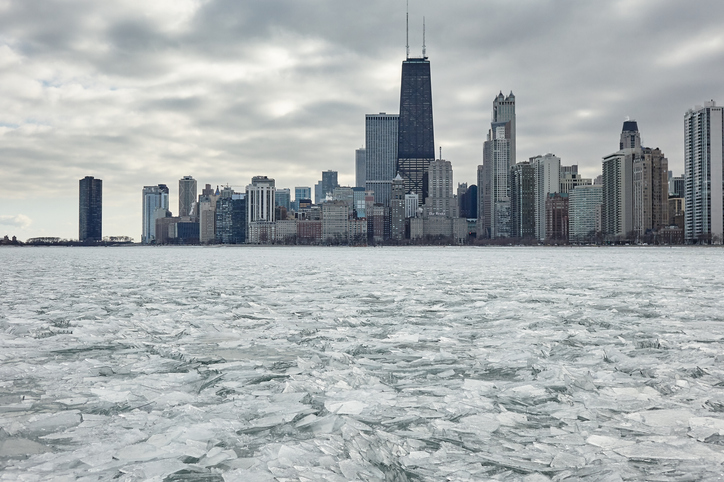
[650, 191]
[187, 191]
[416, 139]
[206, 211]
[360, 167]
[90, 209]
[260, 212]
[557, 217]
[547, 171]
[703, 173]
[231, 217]
[617, 198]
[381, 138]
[522, 200]
[584, 204]
[155, 206]
[499, 151]
[440, 200]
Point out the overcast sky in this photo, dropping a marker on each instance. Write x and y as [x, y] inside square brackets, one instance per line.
[140, 92]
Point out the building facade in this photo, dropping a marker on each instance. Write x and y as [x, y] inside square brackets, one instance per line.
[381, 137]
[547, 171]
[522, 200]
[360, 167]
[499, 151]
[90, 209]
[155, 205]
[440, 201]
[187, 191]
[703, 164]
[584, 207]
[650, 191]
[416, 139]
[260, 212]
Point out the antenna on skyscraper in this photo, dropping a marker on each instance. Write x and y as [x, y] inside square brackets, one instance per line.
[441, 152]
[424, 53]
[407, 29]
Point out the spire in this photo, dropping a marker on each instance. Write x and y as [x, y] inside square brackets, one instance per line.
[407, 29]
[424, 49]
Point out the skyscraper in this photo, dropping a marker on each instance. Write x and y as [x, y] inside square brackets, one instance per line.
[499, 151]
[416, 142]
[155, 205]
[381, 137]
[360, 167]
[90, 209]
[187, 190]
[703, 164]
[547, 171]
[522, 200]
[650, 191]
[329, 182]
[440, 200]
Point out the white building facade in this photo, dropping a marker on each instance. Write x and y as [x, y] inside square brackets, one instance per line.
[703, 165]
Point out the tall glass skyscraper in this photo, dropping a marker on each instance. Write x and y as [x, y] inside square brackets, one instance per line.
[381, 137]
[416, 141]
[90, 220]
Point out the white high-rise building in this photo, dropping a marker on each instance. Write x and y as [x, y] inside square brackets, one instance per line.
[703, 176]
[498, 157]
[260, 213]
[155, 205]
[381, 136]
[547, 180]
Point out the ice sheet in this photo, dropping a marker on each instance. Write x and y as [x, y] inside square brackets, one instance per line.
[361, 364]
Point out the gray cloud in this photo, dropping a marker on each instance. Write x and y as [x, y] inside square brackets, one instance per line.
[139, 93]
[18, 221]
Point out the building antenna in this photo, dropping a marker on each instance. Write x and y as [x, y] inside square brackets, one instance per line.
[407, 29]
[440, 152]
[424, 50]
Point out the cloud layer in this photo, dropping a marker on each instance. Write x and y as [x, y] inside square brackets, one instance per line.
[140, 93]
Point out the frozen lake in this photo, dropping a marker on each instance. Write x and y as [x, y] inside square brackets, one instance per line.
[261, 364]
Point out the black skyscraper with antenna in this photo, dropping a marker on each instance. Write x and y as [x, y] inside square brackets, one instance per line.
[416, 141]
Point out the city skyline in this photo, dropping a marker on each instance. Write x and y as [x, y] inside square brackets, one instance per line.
[147, 95]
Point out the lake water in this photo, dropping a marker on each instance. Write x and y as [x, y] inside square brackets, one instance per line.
[293, 363]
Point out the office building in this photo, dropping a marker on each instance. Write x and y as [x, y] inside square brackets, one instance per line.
[412, 205]
[283, 198]
[468, 201]
[328, 183]
[358, 199]
[155, 206]
[584, 207]
[90, 209]
[499, 151]
[187, 191]
[677, 186]
[569, 180]
[416, 140]
[360, 167]
[381, 137]
[231, 217]
[703, 151]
